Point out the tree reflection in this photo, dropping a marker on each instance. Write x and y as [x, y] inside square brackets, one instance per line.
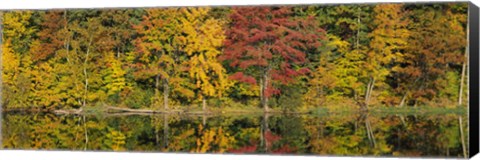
[360, 134]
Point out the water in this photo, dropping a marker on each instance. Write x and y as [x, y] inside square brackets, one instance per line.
[348, 134]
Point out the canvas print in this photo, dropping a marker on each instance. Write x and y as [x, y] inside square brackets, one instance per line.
[382, 79]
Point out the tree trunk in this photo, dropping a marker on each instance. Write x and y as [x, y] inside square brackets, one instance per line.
[85, 62]
[157, 137]
[265, 97]
[165, 131]
[86, 132]
[402, 102]
[464, 67]
[448, 152]
[265, 130]
[261, 92]
[262, 137]
[371, 137]
[204, 104]
[368, 132]
[368, 93]
[1, 80]
[460, 93]
[402, 119]
[204, 120]
[157, 92]
[84, 103]
[464, 148]
[371, 90]
[166, 90]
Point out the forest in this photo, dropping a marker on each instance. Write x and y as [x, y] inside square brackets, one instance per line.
[257, 58]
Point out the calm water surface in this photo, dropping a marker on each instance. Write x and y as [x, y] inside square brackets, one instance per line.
[350, 134]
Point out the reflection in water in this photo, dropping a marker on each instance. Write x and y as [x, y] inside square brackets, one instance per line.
[460, 125]
[363, 134]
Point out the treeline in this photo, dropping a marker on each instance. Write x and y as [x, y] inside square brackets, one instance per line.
[269, 56]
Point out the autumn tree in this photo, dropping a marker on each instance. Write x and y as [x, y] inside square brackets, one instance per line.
[160, 52]
[339, 74]
[326, 78]
[119, 22]
[90, 40]
[267, 45]
[335, 66]
[53, 85]
[434, 48]
[54, 34]
[459, 13]
[204, 38]
[389, 40]
[18, 34]
[113, 75]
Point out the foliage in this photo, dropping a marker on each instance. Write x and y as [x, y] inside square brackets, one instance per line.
[298, 57]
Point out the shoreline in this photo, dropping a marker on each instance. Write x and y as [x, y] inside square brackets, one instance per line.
[110, 110]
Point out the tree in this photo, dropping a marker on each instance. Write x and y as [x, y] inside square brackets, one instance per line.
[54, 75]
[435, 47]
[340, 74]
[90, 39]
[460, 24]
[10, 67]
[267, 45]
[389, 40]
[112, 75]
[54, 35]
[325, 76]
[160, 52]
[18, 34]
[204, 38]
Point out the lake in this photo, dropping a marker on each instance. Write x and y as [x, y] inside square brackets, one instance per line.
[333, 134]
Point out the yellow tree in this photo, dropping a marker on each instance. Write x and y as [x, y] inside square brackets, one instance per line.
[113, 74]
[55, 73]
[10, 68]
[17, 35]
[326, 77]
[204, 38]
[389, 39]
[160, 52]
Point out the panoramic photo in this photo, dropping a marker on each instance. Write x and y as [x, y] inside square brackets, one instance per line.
[382, 79]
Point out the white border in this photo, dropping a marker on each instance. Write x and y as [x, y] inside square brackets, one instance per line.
[62, 155]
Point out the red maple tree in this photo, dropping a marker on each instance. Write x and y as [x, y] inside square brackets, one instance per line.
[269, 45]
